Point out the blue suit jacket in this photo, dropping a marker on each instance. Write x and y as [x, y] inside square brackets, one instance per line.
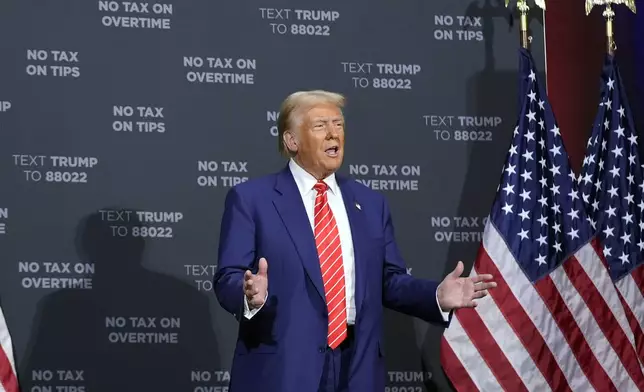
[282, 348]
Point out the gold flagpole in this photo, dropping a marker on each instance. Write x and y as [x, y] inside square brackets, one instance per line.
[523, 8]
[609, 15]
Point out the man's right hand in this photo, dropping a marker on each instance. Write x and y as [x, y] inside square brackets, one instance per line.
[256, 286]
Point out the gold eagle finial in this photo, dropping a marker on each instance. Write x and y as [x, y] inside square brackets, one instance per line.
[591, 3]
[522, 3]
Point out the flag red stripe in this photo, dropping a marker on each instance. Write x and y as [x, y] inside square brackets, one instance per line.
[569, 328]
[455, 371]
[489, 350]
[7, 376]
[595, 243]
[522, 325]
[635, 326]
[605, 319]
[638, 276]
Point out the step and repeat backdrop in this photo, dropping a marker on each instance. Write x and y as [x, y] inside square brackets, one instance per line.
[123, 125]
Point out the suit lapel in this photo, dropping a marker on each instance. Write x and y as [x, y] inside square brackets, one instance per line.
[356, 222]
[289, 205]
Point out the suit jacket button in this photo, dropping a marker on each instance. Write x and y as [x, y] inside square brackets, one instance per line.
[322, 349]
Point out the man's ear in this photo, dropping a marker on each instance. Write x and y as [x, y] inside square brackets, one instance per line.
[290, 141]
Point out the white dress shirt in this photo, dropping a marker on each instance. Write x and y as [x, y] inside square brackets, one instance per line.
[305, 183]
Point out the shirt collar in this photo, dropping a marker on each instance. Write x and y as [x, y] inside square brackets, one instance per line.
[305, 181]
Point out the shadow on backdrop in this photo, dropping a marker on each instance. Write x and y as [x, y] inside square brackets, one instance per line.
[70, 329]
[404, 370]
[481, 179]
[488, 11]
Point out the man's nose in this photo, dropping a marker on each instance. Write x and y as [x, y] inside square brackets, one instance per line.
[331, 131]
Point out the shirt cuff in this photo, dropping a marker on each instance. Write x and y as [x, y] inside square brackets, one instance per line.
[249, 313]
[444, 314]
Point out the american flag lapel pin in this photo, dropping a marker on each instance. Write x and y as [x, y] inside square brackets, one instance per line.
[358, 206]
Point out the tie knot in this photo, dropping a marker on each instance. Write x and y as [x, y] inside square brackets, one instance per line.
[320, 187]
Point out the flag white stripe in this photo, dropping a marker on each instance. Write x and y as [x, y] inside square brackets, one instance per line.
[470, 358]
[633, 297]
[511, 345]
[594, 268]
[535, 308]
[599, 345]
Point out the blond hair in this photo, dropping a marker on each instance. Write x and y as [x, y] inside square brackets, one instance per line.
[292, 108]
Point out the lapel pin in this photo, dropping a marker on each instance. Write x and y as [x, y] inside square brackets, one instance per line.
[358, 206]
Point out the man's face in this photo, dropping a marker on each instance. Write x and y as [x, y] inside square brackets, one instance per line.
[320, 140]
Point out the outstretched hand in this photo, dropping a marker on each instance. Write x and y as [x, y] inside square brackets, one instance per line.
[462, 292]
[256, 285]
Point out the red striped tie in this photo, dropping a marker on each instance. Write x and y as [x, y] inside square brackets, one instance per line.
[327, 240]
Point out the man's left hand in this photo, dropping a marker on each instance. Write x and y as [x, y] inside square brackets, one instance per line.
[462, 292]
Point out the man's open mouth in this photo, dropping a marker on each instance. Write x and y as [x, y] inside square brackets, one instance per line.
[332, 151]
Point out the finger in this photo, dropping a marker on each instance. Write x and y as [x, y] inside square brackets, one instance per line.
[485, 286]
[470, 304]
[480, 294]
[263, 267]
[481, 278]
[248, 275]
[458, 270]
[251, 293]
[248, 286]
[257, 302]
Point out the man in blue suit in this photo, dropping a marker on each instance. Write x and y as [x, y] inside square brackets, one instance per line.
[313, 320]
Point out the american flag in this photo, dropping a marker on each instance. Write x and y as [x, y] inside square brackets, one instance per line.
[8, 379]
[611, 185]
[555, 321]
